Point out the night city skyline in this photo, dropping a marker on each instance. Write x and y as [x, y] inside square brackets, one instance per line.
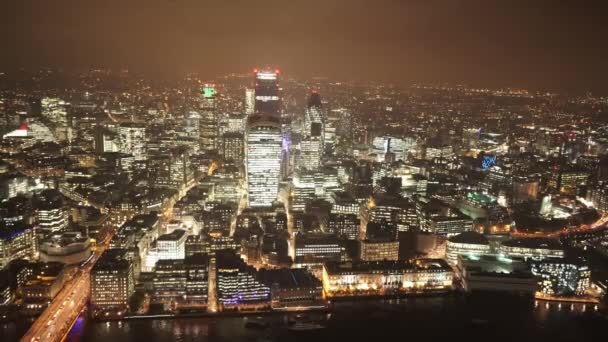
[335, 170]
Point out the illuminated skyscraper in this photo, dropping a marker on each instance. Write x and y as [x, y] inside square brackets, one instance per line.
[249, 101]
[311, 146]
[263, 160]
[208, 126]
[267, 99]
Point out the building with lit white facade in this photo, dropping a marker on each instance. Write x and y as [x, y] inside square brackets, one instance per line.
[17, 242]
[467, 243]
[314, 250]
[249, 101]
[379, 249]
[263, 160]
[168, 246]
[312, 143]
[401, 147]
[68, 248]
[238, 286]
[310, 185]
[133, 139]
[378, 278]
[51, 214]
[208, 125]
[537, 248]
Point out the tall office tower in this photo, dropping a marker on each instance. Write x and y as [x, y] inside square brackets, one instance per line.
[233, 147]
[267, 99]
[263, 161]
[208, 126]
[249, 101]
[133, 139]
[311, 146]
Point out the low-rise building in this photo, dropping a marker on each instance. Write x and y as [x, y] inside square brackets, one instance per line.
[379, 278]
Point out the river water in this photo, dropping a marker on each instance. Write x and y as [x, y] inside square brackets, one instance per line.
[488, 318]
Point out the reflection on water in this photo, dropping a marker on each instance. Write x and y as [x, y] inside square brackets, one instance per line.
[456, 318]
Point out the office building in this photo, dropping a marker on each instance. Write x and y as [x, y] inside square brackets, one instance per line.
[563, 276]
[208, 126]
[249, 101]
[467, 243]
[168, 246]
[345, 226]
[68, 248]
[263, 159]
[233, 147]
[16, 242]
[380, 278]
[379, 249]
[51, 214]
[238, 285]
[314, 250]
[267, 97]
[133, 139]
[532, 248]
[112, 283]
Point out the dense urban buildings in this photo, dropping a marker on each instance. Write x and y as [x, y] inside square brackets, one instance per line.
[246, 194]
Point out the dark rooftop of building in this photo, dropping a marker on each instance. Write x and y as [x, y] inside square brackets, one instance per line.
[469, 237]
[288, 278]
[174, 235]
[534, 242]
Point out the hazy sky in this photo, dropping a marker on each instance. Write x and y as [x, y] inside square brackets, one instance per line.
[534, 43]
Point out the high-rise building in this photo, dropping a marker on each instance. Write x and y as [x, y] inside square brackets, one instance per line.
[112, 282]
[208, 126]
[133, 139]
[249, 101]
[267, 99]
[264, 146]
[311, 146]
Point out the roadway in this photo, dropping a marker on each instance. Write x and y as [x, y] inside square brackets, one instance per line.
[56, 320]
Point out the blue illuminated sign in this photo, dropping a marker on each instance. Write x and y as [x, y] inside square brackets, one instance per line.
[487, 162]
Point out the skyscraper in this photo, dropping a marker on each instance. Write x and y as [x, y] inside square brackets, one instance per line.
[311, 146]
[208, 126]
[267, 99]
[264, 141]
[249, 101]
[263, 160]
